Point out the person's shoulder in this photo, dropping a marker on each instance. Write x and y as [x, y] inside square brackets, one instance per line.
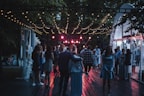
[76, 56]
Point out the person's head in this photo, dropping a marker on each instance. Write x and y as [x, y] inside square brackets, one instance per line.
[49, 48]
[38, 48]
[118, 48]
[74, 49]
[89, 47]
[96, 46]
[62, 48]
[115, 50]
[108, 51]
[123, 50]
[128, 51]
[70, 47]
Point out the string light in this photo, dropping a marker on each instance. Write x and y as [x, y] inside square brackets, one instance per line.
[35, 27]
[78, 25]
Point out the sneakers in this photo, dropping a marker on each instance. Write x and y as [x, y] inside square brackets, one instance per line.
[47, 86]
[86, 73]
[33, 84]
[41, 83]
[43, 75]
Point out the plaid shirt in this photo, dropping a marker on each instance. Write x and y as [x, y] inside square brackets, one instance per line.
[87, 57]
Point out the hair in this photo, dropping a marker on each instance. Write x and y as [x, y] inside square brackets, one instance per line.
[89, 47]
[128, 51]
[50, 47]
[37, 48]
[35, 51]
[123, 50]
[48, 52]
[61, 48]
[74, 49]
[108, 51]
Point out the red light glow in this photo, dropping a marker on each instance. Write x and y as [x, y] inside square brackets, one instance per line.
[72, 41]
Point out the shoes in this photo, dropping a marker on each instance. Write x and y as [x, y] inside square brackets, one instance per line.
[86, 73]
[43, 75]
[33, 84]
[47, 86]
[41, 83]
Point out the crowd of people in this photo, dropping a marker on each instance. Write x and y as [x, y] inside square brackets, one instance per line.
[71, 63]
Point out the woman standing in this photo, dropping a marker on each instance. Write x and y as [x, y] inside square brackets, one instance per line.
[76, 69]
[36, 56]
[49, 55]
[107, 72]
[128, 68]
[121, 65]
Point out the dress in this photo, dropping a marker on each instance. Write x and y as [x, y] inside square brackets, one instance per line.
[107, 71]
[76, 77]
[48, 66]
[121, 66]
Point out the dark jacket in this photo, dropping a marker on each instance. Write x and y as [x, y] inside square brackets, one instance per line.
[128, 58]
[63, 61]
[36, 61]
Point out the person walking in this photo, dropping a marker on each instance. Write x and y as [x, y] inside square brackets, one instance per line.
[107, 71]
[88, 60]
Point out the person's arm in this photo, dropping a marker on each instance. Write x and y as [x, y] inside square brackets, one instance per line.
[113, 65]
[75, 58]
[52, 54]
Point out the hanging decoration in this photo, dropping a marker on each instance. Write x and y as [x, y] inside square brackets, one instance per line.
[43, 28]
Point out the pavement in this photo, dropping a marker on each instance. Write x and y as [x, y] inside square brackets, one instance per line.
[17, 87]
[21, 87]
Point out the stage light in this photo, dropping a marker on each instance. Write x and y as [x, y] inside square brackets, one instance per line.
[72, 41]
[81, 37]
[65, 41]
[62, 37]
[53, 37]
[89, 38]
[77, 41]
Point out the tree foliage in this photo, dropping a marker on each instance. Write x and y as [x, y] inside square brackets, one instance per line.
[136, 17]
[83, 8]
